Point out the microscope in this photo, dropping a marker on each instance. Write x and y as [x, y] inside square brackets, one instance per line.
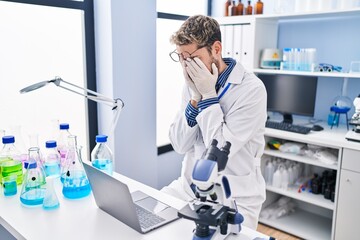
[214, 211]
[354, 134]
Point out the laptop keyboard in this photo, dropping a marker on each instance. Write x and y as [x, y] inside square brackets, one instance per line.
[146, 218]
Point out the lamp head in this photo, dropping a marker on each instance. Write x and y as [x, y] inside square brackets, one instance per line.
[38, 85]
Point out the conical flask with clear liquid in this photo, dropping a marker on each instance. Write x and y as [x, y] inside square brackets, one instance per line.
[51, 200]
[34, 186]
[74, 179]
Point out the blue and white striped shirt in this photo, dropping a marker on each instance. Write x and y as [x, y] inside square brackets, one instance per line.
[191, 112]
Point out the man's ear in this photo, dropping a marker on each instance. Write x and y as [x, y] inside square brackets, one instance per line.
[217, 48]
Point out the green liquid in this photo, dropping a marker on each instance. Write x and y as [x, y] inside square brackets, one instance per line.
[8, 167]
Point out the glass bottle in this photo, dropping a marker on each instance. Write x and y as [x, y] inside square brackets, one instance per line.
[240, 8]
[16, 131]
[75, 182]
[249, 9]
[52, 159]
[227, 4]
[10, 163]
[232, 9]
[101, 155]
[259, 7]
[62, 141]
[51, 200]
[33, 189]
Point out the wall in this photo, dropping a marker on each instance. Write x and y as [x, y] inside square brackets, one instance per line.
[337, 43]
[125, 45]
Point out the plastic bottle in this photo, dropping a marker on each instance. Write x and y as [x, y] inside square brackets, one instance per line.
[52, 159]
[75, 182]
[62, 141]
[269, 173]
[101, 155]
[249, 9]
[259, 6]
[232, 9]
[227, 4]
[10, 162]
[240, 8]
[33, 189]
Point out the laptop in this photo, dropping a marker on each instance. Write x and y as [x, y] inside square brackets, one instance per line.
[137, 210]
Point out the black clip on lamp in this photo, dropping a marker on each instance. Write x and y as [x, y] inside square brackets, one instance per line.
[116, 104]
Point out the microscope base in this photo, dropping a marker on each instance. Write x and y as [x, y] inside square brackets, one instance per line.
[352, 136]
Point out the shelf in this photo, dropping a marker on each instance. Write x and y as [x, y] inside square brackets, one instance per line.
[315, 74]
[297, 158]
[313, 15]
[336, 13]
[316, 199]
[303, 224]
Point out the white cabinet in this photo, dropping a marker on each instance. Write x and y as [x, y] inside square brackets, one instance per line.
[314, 214]
[349, 195]
[239, 34]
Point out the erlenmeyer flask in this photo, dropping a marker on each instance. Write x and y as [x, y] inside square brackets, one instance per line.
[34, 186]
[75, 181]
[51, 200]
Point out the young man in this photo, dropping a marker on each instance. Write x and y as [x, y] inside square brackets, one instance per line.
[221, 101]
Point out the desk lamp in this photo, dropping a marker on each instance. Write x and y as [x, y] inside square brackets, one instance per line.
[116, 104]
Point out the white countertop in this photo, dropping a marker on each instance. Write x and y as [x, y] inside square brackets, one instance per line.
[82, 219]
[334, 137]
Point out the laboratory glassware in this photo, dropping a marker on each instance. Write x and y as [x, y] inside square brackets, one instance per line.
[249, 9]
[10, 162]
[259, 7]
[227, 4]
[34, 186]
[62, 141]
[232, 9]
[240, 8]
[52, 159]
[101, 155]
[75, 182]
[51, 200]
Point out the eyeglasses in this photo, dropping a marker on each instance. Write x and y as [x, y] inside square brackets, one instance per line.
[177, 57]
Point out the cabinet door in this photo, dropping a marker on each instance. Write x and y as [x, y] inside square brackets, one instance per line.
[348, 209]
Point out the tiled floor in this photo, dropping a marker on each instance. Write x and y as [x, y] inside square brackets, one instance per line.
[277, 234]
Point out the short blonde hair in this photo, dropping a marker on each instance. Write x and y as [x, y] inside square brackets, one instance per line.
[199, 29]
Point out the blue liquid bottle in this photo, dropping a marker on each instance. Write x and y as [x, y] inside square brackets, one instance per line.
[52, 159]
[34, 186]
[101, 155]
[75, 182]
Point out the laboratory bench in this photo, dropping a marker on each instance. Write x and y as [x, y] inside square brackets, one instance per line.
[82, 219]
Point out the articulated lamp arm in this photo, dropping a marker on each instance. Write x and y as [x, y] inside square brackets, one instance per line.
[116, 104]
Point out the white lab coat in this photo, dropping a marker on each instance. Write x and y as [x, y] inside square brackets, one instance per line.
[240, 119]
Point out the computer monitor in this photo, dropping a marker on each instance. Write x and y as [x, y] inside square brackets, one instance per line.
[290, 94]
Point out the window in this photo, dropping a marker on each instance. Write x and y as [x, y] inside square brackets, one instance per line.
[169, 82]
[38, 43]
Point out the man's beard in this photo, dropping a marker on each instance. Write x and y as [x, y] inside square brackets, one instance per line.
[217, 63]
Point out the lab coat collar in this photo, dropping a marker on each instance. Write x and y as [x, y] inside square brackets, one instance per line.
[237, 74]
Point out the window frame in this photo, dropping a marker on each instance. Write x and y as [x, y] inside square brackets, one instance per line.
[168, 147]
